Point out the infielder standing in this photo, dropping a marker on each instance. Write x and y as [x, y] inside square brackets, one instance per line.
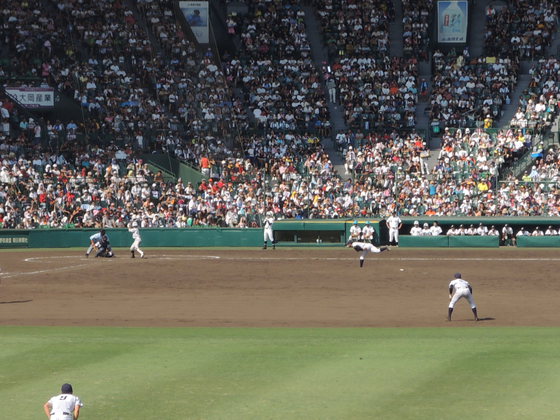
[137, 239]
[394, 223]
[364, 248]
[268, 233]
[459, 288]
[64, 406]
[94, 241]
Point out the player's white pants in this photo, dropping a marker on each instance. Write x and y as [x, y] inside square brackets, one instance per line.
[136, 246]
[370, 248]
[268, 235]
[91, 248]
[62, 417]
[393, 235]
[462, 293]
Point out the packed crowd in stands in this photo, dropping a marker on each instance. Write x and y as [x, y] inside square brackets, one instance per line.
[130, 87]
[182, 99]
[374, 89]
[467, 92]
[521, 29]
[358, 28]
[282, 88]
[377, 92]
[416, 28]
[539, 107]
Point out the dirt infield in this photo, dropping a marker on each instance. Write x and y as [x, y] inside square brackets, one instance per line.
[285, 287]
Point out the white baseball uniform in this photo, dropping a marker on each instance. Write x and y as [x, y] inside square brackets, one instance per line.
[551, 232]
[268, 233]
[393, 223]
[461, 289]
[63, 405]
[365, 248]
[416, 230]
[355, 232]
[367, 233]
[436, 230]
[137, 239]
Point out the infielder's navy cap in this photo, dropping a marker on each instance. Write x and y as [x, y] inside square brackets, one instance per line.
[66, 389]
[457, 275]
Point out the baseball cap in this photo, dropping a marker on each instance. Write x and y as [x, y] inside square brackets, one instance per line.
[66, 389]
[457, 275]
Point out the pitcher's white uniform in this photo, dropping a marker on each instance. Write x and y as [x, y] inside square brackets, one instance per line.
[365, 248]
[268, 232]
[394, 223]
[137, 239]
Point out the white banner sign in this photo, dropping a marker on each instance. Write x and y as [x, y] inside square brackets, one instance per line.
[196, 13]
[32, 97]
[453, 17]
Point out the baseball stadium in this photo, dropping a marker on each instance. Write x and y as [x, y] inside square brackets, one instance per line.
[279, 209]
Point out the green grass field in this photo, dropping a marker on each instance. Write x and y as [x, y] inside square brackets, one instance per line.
[284, 373]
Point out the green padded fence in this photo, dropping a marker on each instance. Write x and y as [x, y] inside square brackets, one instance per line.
[192, 237]
[443, 241]
[538, 241]
[287, 232]
[423, 241]
[474, 241]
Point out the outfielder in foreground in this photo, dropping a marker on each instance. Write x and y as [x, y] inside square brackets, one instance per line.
[365, 248]
[459, 288]
[64, 406]
[137, 239]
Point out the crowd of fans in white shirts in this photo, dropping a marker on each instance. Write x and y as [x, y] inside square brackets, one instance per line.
[282, 88]
[416, 27]
[279, 171]
[467, 92]
[522, 28]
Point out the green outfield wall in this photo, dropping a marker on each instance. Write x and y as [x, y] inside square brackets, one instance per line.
[443, 241]
[287, 233]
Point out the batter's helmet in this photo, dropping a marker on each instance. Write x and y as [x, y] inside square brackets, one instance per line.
[66, 389]
[457, 275]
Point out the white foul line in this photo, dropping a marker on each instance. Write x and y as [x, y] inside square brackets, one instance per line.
[241, 258]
